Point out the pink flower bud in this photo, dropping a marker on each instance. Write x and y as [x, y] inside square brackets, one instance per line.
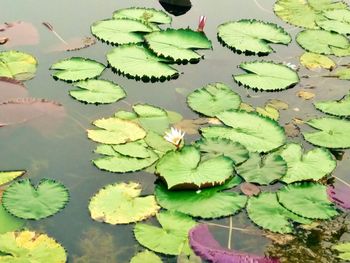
[201, 25]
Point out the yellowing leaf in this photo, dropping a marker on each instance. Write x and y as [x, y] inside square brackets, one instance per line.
[306, 95]
[314, 61]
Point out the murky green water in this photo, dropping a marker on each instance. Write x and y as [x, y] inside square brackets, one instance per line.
[65, 153]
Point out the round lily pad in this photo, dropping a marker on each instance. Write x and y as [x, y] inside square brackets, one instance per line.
[17, 65]
[147, 15]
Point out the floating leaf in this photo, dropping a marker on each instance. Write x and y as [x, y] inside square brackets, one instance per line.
[116, 131]
[262, 170]
[28, 246]
[313, 165]
[307, 200]
[331, 132]
[17, 65]
[121, 203]
[306, 95]
[140, 63]
[73, 44]
[136, 149]
[171, 238]
[19, 33]
[256, 133]
[213, 99]
[97, 91]
[146, 256]
[291, 130]
[8, 176]
[344, 250]
[213, 147]
[212, 202]
[324, 42]
[9, 222]
[252, 36]
[178, 44]
[249, 189]
[314, 61]
[334, 25]
[265, 211]
[342, 73]
[269, 112]
[277, 104]
[190, 127]
[77, 68]
[11, 88]
[339, 194]
[267, 76]
[158, 143]
[184, 169]
[120, 31]
[147, 15]
[204, 245]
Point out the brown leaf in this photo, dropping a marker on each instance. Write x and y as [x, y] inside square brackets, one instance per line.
[250, 189]
[278, 104]
[298, 121]
[3, 40]
[11, 88]
[19, 34]
[306, 95]
[191, 127]
[73, 44]
[291, 130]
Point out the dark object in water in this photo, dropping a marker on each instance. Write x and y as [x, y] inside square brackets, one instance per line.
[176, 7]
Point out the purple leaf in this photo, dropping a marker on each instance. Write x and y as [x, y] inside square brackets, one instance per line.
[205, 246]
[340, 195]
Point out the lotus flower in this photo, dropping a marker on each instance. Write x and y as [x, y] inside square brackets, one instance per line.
[201, 25]
[175, 136]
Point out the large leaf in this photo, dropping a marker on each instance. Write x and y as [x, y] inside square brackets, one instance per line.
[313, 165]
[171, 238]
[97, 91]
[309, 200]
[305, 13]
[120, 31]
[147, 15]
[339, 108]
[8, 176]
[17, 65]
[344, 250]
[213, 147]
[262, 169]
[77, 68]
[213, 99]
[331, 133]
[267, 76]
[252, 36]
[337, 21]
[324, 42]
[140, 63]
[116, 131]
[204, 245]
[256, 133]
[314, 61]
[265, 211]
[24, 201]
[178, 44]
[30, 247]
[208, 203]
[146, 256]
[121, 203]
[9, 222]
[184, 168]
[19, 33]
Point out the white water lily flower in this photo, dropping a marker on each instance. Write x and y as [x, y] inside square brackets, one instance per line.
[175, 136]
[291, 66]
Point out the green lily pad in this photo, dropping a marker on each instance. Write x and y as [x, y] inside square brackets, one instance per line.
[171, 238]
[252, 36]
[308, 200]
[136, 149]
[213, 99]
[146, 256]
[337, 21]
[158, 143]
[184, 169]
[8, 176]
[341, 73]
[121, 203]
[211, 202]
[266, 76]
[77, 68]
[147, 15]
[314, 61]
[24, 201]
[178, 44]
[255, 132]
[314, 165]
[9, 222]
[97, 91]
[17, 65]
[340, 108]
[344, 250]
[265, 211]
[262, 170]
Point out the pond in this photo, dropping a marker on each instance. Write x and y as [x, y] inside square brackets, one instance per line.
[57, 146]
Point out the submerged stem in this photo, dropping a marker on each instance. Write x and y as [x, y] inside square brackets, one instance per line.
[341, 180]
[230, 234]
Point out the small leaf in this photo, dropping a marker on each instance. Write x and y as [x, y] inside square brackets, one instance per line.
[250, 189]
[17, 65]
[340, 108]
[344, 250]
[306, 95]
[8, 176]
[146, 256]
[314, 61]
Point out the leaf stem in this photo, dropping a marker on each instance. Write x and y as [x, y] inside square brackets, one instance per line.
[341, 180]
[230, 234]
[262, 8]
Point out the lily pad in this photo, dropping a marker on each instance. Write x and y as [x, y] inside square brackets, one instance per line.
[8, 176]
[178, 44]
[308, 200]
[344, 250]
[31, 247]
[121, 203]
[19, 33]
[97, 91]
[208, 203]
[341, 73]
[313, 165]
[265, 211]
[314, 61]
[252, 36]
[255, 132]
[120, 31]
[331, 132]
[158, 143]
[266, 76]
[185, 169]
[25, 201]
[9, 222]
[147, 15]
[140, 63]
[77, 68]
[171, 238]
[340, 108]
[17, 65]
[213, 99]
[146, 256]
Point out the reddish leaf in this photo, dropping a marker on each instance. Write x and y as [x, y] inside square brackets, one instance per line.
[19, 34]
[73, 44]
[205, 246]
[340, 195]
[11, 88]
[250, 189]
